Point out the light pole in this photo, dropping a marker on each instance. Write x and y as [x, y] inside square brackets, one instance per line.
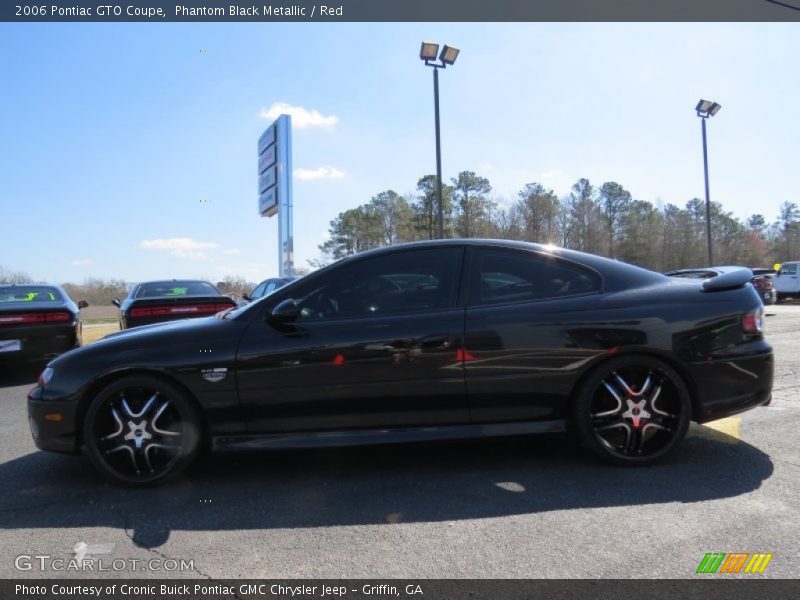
[428, 52]
[706, 109]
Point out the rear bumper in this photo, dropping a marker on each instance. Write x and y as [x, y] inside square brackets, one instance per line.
[130, 323]
[731, 385]
[39, 343]
[48, 434]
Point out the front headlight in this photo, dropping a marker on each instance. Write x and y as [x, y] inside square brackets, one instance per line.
[45, 377]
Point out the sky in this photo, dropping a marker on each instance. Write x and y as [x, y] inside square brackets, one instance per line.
[129, 150]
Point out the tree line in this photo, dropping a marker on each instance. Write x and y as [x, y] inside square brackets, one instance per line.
[602, 219]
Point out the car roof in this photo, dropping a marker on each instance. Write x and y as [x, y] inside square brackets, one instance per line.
[616, 274]
[53, 285]
[45, 285]
[174, 281]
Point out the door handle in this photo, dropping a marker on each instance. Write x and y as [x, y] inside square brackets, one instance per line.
[435, 342]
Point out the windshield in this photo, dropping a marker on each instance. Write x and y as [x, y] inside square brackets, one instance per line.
[176, 288]
[29, 293]
[789, 269]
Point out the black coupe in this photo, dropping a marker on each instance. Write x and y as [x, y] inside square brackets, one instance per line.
[37, 322]
[435, 340]
[159, 301]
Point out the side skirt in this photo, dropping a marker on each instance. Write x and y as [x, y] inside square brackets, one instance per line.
[397, 435]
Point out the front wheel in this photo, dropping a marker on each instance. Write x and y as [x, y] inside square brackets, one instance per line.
[141, 430]
[632, 410]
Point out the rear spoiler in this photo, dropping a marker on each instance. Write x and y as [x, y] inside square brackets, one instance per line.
[728, 281]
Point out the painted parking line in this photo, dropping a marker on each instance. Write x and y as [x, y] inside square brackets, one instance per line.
[729, 426]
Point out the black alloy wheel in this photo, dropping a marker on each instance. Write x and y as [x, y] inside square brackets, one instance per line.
[141, 430]
[632, 410]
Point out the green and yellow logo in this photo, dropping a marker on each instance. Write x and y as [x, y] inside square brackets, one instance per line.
[735, 562]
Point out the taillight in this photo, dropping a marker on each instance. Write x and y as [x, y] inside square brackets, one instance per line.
[30, 318]
[753, 322]
[190, 309]
[58, 316]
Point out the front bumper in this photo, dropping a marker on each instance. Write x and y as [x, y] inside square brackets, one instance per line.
[48, 433]
[727, 386]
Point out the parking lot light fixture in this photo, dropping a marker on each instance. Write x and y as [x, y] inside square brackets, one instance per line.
[449, 55]
[706, 109]
[428, 52]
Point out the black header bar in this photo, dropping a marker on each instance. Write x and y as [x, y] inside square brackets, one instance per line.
[400, 10]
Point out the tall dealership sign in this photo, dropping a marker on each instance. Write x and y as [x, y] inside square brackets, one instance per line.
[275, 186]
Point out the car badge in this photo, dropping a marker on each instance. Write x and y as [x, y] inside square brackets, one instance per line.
[214, 375]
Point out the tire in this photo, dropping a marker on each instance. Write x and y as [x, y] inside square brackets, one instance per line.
[141, 430]
[632, 410]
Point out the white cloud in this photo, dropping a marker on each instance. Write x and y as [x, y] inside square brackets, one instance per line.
[254, 272]
[180, 247]
[319, 173]
[231, 251]
[302, 118]
[551, 174]
[81, 262]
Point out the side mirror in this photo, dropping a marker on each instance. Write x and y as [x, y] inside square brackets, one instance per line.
[82, 304]
[116, 302]
[285, 312]
[247, 297]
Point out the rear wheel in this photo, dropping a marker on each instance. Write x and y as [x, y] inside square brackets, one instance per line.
[632, 410]
[141, 430]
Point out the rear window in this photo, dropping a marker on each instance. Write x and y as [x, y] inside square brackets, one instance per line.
[176, 289]
[694, 275]
[517, 276]
[29, 293]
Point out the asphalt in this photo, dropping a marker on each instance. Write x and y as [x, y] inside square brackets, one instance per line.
[502, 509]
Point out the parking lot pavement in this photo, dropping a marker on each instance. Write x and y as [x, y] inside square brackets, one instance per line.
[514, 508]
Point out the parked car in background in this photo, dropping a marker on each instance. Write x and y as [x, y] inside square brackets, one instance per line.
[787, 282]
[267, 287]
[761, 279]
[764, 282]
[432, 340]
[159, 301]
[37, 322]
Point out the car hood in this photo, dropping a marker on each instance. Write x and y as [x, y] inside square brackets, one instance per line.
[152, 337]
[177, 326]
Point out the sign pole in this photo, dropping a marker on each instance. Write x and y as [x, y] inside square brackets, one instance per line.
[285, 217]
[275, 187]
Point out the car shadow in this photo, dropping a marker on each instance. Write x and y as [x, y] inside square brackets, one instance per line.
[372, 485]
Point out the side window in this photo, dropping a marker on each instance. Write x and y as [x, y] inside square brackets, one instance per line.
[408, 281]
[517, 276]
[789, 269]
[258, 292]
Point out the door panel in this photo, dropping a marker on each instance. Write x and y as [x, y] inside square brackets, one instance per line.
[377, 344]
[390, 372]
